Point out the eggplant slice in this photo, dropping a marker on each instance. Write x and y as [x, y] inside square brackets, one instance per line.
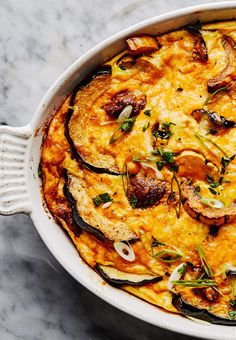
[117, 277]
[203, 314]
[200, 53]
[78, 121]
[90, 219]
[210, 216]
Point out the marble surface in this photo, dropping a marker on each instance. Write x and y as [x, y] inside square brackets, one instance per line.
[39, 39]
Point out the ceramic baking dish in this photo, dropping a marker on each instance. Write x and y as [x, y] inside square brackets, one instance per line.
[20, 186]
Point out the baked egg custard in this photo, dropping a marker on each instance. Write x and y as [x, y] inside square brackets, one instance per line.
[138, 166]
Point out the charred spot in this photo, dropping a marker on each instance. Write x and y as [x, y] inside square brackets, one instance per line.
[208, 293]
[220, 121]
[199, 48]
[145, 191]
[197, 114]
[123, 99]
[196, 271]
[199, 45]
[214, 231]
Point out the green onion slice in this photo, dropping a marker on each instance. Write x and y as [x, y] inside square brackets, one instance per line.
[212, 203]
[125, 178]
[195, 283]
[124, 250]
[203, 259]
[205, 140]
[177, 273]
[125, 114]
[222, 89]
[149, 157]
[174, 178]
[167, 255]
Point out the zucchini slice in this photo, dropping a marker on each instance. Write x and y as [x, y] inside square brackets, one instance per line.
[199, 313]
[84, 141]
[91, 219]
[117, 277]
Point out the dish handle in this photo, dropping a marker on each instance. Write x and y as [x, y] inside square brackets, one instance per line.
[14, 195]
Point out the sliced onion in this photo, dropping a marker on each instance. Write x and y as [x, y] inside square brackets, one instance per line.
[125, 113]
[106, 205]
[151, 166]
[176, 275]
[125, 251]
[212, 203]
[108, 122]
[228, 45]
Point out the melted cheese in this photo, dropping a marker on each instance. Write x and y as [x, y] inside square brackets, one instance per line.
[159, 77]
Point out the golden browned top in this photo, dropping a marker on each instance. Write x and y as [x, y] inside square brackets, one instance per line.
[177, 146]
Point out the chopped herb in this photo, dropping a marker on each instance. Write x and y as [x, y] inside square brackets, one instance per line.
[168, 156]
[174, 168]
[97, 201]
[179, 89]
[160, 164]
[166, 126]
[147, 113]
[232, 303]
[213, 191]
[39, 171]
[182, 269]
[197, 189]
[156, 243]
[164, 132]
[102, 198]
[195, 283]
[160, 151]
[225, 162]
[127, 124]
[122, 67]
[214, 185]
[209, 178]
[146, 126]
[212, 132]
[133, 201]
[232, 315]
[124, 127]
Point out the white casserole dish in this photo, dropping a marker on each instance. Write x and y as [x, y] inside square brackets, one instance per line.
[20, 185]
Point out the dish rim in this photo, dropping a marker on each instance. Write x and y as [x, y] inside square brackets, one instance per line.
[199, 330]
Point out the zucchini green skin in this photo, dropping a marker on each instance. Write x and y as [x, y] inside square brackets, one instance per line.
[106, 69]
[199, 313]
[77, 218]
[79, 221]
[119, 282]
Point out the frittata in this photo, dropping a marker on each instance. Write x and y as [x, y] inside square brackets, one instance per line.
[138, 165]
